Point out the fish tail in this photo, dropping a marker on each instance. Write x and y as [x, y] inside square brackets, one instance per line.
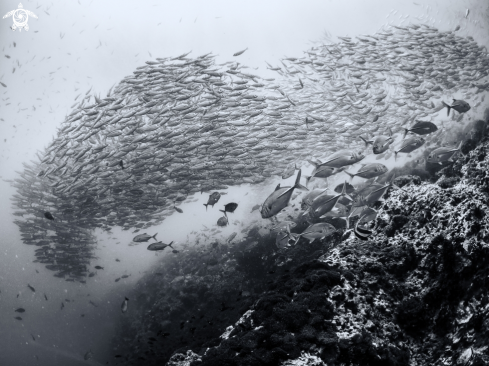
[395, 155]
[205, 204]
[170, 244]
[366, 142]
[224, 212]
[308, 178]
[351, 175]
[405, 133]
[154, 236]
[448, 107]
[297, 184]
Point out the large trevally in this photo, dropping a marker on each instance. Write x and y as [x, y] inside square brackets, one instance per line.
[280, 198]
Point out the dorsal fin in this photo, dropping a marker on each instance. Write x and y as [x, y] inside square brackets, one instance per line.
[278, 187]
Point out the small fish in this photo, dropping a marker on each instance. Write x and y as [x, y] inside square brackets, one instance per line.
[88, 355]
[229, 207]
[175, 251]
[117, 260]
[231, 237]
[467, 13]
[213, 199]
[178, 209]
[48, 215]
[410, 145]
[280, 198]
[18, 318]
[348, 187]
[124, 276]
[45, 297]
[62, 305]
[31, 288]
[92, 303]
[255, 207]
[117, 279]
[456, 28]
[322, 171]
[443, 154]
[380, 144]
[124, 305]
[20, 310]
[159, 246]
[421, 128]
[240, 52]
[222, 221]
[369, 171]
[316, 231]
[360, 232]
[33, 338]
[141, 238]
[289, 171]
[98, 267]
[459, 105]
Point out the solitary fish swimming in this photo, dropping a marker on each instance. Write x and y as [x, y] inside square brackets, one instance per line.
[124, 305]
[141, 238]
[459, 105]
[213, 198]
[159, 246]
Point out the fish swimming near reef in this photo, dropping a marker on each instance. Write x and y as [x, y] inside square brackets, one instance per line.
[316, 231]
[159, 246]
[410, 145]
[222, 221]
[280, 198]
[229, 207]
[421, 128]
[142, 238]
[443, 154]
[213, 199]
[124, 305]
[460, 106]
[360, 232]
[380, 144]
[369, 171]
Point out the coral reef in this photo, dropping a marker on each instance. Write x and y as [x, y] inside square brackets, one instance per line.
[415, 293]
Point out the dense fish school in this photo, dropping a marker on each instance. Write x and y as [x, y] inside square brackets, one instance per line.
[186, 125]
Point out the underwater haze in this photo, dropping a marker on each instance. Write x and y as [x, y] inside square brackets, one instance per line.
[159, 160]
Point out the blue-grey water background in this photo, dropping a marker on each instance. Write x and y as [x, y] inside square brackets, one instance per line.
[77, 45]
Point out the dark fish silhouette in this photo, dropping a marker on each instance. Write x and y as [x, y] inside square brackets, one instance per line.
[230, 207]
[48, 215]
[31, 288]
[213, 198]
[20, 310]
[460, 106]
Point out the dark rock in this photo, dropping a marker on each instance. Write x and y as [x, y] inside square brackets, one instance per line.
[407, 179]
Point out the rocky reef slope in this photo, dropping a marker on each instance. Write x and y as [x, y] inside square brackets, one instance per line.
[415, 293]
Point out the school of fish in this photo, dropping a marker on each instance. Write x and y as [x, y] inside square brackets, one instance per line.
[185, 125]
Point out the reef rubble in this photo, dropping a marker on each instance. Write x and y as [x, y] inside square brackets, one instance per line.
[415, 293]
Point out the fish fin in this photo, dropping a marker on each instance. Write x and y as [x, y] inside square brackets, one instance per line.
[390, 132]
[205, 204]
[277, 187]
[366, 142]
[405, 133]
[351, 175]
[460, 145]
[395, 155]
[448, 107]
[154, 236]
[308, 178]
[297, 182]
[315, 165]
[170, 244]
[305, 212]
[348, 196]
